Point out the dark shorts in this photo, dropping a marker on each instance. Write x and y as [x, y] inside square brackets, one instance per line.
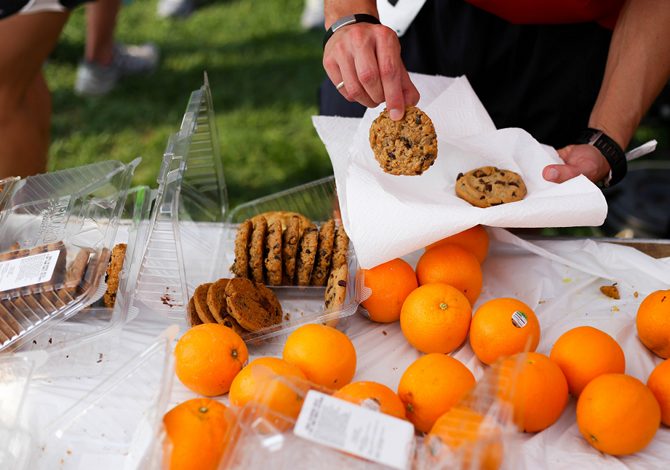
[12, 7]
[542, 78]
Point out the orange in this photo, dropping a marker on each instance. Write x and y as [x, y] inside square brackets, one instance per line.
[451, 265]
[474, 239]
[198, 431]
[584, 353]
[373, 395]
[325, 355]
[617, 414]
[270, 382]
[435, 318]
[430, 386]
[502, 327]
[390, 283]
[208, 357]
[536, 389]
[469, 436]
[653, 323]
[659, 383]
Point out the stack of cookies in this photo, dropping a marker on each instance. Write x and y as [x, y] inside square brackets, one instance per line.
[286, 249]
[282, 248]
[240, 304]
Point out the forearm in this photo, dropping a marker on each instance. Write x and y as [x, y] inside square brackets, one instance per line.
[336, 9]
[638, 66]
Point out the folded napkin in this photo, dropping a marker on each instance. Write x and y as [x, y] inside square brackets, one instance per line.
[389, 216]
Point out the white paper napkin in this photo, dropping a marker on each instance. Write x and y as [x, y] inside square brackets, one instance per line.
[388, 216]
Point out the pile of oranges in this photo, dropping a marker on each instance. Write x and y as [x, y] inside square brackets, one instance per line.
[434, 306]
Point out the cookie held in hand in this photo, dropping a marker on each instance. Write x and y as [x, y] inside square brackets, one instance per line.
[489, 186]
[406, 147]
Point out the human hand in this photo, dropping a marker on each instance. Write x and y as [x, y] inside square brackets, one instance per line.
[579, 159]
[366, 57]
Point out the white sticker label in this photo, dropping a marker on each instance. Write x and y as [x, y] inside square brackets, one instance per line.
[33, 269]
[350, 428]
[519, 319]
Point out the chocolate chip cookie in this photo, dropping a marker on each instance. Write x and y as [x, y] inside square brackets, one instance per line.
[200, 302]
[252, 305]
[324, 254]
[336, 290]
[216, 299]
[291, 238]
[306, 255]
[240, 267]
[406, 147]
[273, 261]
[340, 248]
[112, 275]
[192, 314]
[257, 249]
[489, 186]
[231, 323]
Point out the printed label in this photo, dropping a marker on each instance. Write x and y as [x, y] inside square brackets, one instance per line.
[350, 428]
[29, 270]
[519, 319]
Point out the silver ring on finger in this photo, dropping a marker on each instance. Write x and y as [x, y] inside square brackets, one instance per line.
[339, 86]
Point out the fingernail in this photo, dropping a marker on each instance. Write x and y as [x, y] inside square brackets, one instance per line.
[396, 114]
[552, 174]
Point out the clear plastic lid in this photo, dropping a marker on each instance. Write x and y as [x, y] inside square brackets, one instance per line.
[56, 233]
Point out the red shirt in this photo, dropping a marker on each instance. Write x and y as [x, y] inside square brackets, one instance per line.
[604, 12]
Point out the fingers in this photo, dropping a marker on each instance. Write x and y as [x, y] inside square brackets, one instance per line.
[559, 173]
[367, 59]
[564, 152]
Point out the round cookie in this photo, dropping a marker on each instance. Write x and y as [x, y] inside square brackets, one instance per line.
[336, 290]
[252, 305]
[324, 254]
[200, 302]
[112, 275]
[193, 318]
[406, 147]
[290, 248]
[489, 186]
[306, 255]
[340, 249]
[240, 267]
[216, 299]
[273, 261]
[256, 249]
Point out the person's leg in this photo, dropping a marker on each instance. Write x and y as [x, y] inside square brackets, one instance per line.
[25, 103]
[106, 62]
[100, 24]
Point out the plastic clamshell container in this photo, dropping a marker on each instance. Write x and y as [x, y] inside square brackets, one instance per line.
[56, 233]
[73, 347]
[113, 424]
[191, 231]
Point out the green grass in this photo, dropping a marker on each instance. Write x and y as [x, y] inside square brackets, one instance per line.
[264, 73]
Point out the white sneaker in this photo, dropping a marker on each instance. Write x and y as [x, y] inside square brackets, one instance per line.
[312, 14]
[96, 80]
[175, 8]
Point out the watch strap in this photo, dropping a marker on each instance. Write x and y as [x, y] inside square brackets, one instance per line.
[612, 152]
[346, 21]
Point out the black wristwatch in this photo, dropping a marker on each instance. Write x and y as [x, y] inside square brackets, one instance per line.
[612, 152]
[347, 20]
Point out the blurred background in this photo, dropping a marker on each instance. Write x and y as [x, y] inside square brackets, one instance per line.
[264, 69]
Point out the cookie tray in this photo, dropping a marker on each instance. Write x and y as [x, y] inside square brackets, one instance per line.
[56, 233]
[191, 230]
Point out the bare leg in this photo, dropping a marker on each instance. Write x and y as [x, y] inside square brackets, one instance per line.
[100, 24]
[25, 103]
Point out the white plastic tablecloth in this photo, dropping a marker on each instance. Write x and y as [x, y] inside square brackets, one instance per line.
[559, 279]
